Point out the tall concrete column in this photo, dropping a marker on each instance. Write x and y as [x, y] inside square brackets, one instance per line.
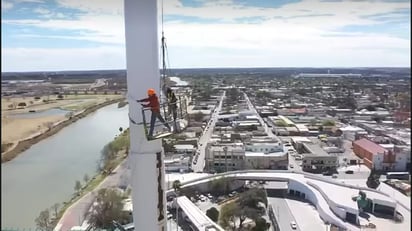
[146, 157]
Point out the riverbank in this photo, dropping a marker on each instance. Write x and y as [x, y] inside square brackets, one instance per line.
[78, 206]
[26, 144]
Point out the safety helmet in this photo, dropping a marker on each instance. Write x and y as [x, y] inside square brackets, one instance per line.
[151, 91]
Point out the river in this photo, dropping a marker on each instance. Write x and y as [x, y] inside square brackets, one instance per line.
[46, 173]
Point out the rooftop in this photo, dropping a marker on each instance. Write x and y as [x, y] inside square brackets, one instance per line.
[261, 154]
[370, 146]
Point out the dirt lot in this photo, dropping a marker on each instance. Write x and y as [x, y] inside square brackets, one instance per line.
[16, 129]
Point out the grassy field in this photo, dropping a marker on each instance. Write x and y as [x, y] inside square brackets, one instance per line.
[16, 129]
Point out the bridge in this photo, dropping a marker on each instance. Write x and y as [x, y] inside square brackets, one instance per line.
[332, 199]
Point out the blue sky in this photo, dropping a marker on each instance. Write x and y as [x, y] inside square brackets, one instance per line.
[43, 35]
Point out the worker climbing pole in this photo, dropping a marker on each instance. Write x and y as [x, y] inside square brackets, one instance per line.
[168, 108]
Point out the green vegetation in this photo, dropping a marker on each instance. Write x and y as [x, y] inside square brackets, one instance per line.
[281, 123]
[176, 185]
[109, 208]
[121, 145]
[219, 186]
[261, 224]
[213, 214]
[86, 178]
[198, 117]
[110, 152]
[263, 94]
[77, 186]
[373, 179]
[328, 123]
[43, 221]
[246, 206]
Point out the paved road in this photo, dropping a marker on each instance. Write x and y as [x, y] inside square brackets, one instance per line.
[207, 133]
[74, 215]
[268, 130]
[282, 213]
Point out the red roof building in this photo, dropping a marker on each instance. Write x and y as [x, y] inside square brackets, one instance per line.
[374, 155]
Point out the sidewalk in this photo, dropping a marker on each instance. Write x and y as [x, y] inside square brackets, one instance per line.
[74, 215]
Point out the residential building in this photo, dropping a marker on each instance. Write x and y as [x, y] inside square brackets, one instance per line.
[272, 160]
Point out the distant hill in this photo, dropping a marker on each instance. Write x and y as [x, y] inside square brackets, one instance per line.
[121, 74]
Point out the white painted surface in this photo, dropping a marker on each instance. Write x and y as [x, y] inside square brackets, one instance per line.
[143, 73]
[305, 215]
[298, 181]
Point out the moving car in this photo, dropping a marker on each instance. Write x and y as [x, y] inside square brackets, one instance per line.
[293, 225]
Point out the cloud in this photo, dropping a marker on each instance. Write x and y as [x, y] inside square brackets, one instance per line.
[6, 5]
[232, 33]
[35, 59]
[41, 10]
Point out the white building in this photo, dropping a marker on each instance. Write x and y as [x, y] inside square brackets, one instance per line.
[225, 157]
[349, 132]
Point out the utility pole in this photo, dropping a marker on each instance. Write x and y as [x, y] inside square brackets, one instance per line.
[146, 157]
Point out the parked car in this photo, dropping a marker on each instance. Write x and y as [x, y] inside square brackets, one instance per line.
[335, 176]
[327, 173]
[349, 172]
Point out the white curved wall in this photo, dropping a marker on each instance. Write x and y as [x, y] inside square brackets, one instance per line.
[327, 208]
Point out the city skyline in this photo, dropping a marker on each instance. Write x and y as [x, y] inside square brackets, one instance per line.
[40, 35]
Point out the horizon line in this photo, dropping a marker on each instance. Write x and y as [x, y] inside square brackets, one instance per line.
[188, 68]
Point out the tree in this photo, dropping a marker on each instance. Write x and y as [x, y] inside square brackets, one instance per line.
[168, 146]
[219, 186]
[86, 178]
[120, 129]
[109, 207]
[313, 122]
[198, 117]
[55, 207]
[228, 215]
[176, 185]
[261, 225]
[213, 214]
[22, 104]
[328, 123]
[281, 123]
[77, 186]
[69, 115]
[252, 197]
[373, 179]
[43, 221]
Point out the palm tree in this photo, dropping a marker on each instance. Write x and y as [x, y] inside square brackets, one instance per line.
[176, 185]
